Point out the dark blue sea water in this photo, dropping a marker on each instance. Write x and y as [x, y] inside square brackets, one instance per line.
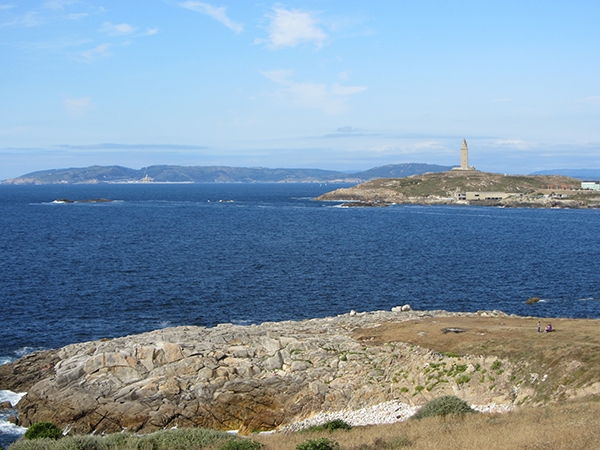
[167, 255]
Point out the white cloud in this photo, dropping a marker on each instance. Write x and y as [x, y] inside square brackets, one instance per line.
[331, 100]
[7, 6]
[30, 19]
[512, 143]
[345, 75]
[58, 4]
[279, 76]
[99, 51]
[77, 16]
[291, 28]
[122, 29]
[218, 14]
[78, 107]
[151, 31]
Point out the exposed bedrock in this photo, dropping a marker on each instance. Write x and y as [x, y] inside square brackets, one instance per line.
[248, 377]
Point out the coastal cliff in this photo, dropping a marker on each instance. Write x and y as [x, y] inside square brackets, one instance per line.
[261, 377]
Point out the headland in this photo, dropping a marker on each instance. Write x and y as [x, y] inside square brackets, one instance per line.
[471, 187]
[264, 377]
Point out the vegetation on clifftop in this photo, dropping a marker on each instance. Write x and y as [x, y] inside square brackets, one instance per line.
[563, 426]
[446, 185]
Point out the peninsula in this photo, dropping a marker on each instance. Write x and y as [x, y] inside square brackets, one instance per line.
[472, 187]
[467, 186]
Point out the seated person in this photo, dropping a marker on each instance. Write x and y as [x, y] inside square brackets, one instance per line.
[548, 329]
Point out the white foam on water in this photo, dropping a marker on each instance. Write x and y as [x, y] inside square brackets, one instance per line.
[10, 428]
[7, 428]
[6, 359]
[26, 350]
[12, 397]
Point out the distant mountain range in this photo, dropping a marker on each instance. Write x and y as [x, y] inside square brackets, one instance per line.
[580, 174]
[217, 174]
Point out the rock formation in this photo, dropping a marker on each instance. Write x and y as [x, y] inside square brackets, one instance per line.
[238, 377]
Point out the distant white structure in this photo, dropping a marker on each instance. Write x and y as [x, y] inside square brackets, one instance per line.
[593, 185]
[464, 158]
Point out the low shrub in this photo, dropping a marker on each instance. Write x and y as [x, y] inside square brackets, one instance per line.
[337, 424]
[318, 444]
[182, 439]
[382, 444]
[443, 406]
[43, 430]
[241, 444]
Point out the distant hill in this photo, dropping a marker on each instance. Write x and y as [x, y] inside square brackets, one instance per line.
[217, 174]
[580, 174]
[452, 188]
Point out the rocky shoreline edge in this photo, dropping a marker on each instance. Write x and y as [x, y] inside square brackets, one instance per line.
[272, 376]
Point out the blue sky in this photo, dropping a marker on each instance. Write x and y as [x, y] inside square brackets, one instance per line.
[344, 85]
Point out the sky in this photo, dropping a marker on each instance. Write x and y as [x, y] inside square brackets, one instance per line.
[330, 84]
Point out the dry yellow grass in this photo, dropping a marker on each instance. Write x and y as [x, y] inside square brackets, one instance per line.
[569, 356]
[568, 426]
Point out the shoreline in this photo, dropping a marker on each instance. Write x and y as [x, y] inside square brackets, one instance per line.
[366, 368]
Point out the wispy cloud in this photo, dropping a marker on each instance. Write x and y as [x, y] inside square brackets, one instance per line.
[30, 19]
[290, 28]
[58, 4]
[512, 143]
[99, 51]
[329, 99]
[109, 146]
[77, 16]
[78, 107]
[219, 14]
[122, 29]
[593, 100]
[7, 6]
[347, 129]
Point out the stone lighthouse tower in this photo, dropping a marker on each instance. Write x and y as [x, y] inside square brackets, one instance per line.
[464, 156]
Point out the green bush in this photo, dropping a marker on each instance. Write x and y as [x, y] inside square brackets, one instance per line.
[241, 444]
[43, 430]
[332, 425]
[182, 439]
[318, 444]
[442, 406]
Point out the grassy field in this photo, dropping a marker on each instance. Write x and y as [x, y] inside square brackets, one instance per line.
[561, 426]
[568, 358]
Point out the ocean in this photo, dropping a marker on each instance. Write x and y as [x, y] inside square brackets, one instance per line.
[163, 255]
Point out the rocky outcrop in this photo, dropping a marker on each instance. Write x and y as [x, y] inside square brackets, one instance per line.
[22, 374]
[247, 377]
